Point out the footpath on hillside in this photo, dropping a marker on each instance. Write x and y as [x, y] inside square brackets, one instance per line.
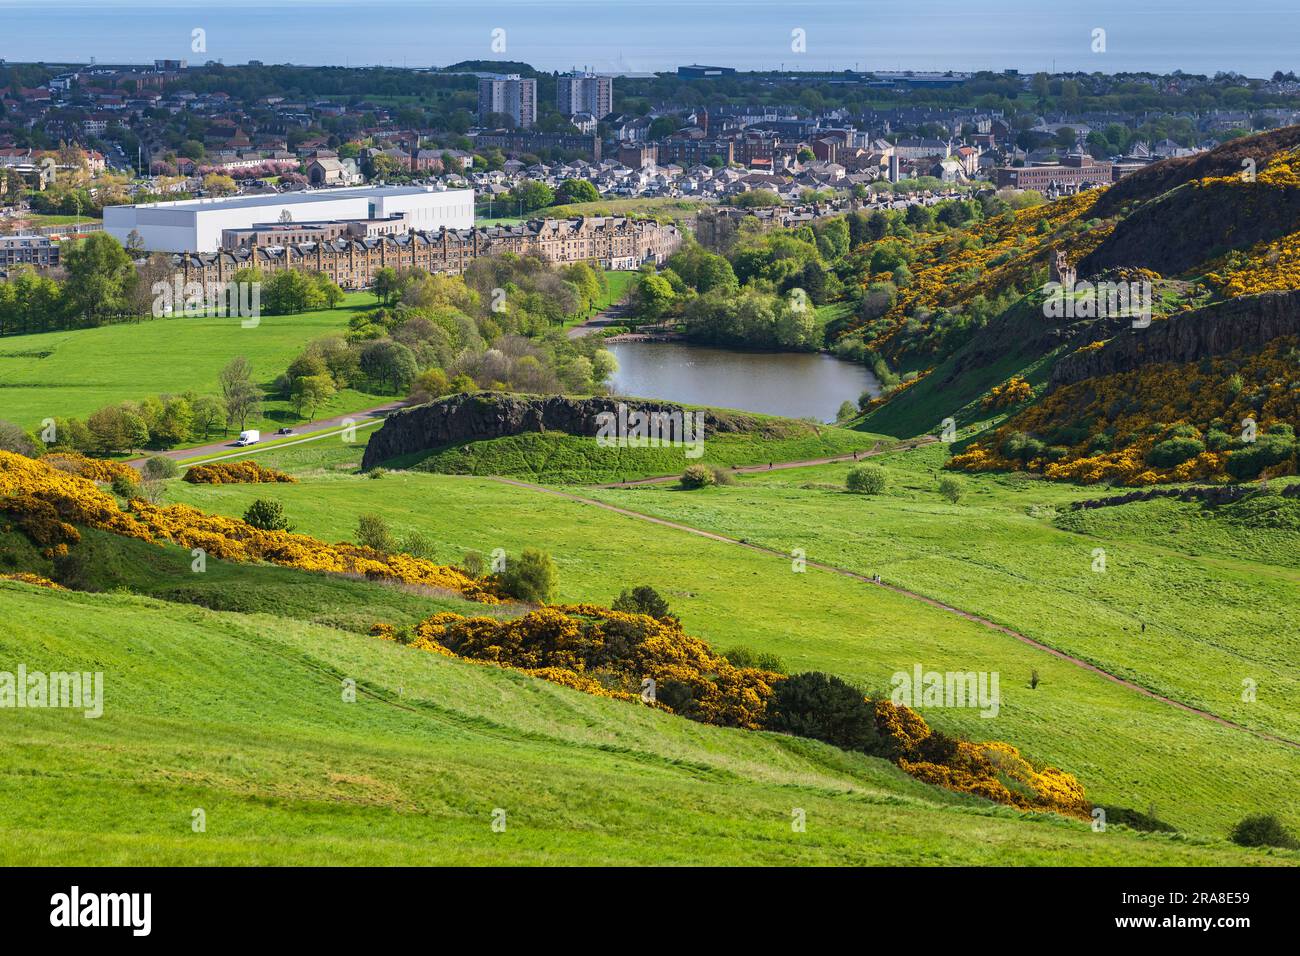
[905, 592]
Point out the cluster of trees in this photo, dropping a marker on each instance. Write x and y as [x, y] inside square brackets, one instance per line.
[760, 292]
[497, 327]
[162, 421]
[100, 285]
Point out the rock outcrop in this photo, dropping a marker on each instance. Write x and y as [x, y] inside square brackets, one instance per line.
[480, 416]
[1248, 323]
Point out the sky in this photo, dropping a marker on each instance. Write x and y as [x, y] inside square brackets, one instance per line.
[1254, 37]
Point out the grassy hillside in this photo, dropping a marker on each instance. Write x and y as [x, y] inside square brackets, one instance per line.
[73, 373]
[243, 718]
[1128, 750]
[557, 457]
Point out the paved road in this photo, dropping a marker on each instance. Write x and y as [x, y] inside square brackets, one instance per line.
[865, 579]
[614, 315]
[327, 426]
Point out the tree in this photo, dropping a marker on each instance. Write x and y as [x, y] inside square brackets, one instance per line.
[531, 577]
[530, 195]
[215, 184]
[312, 391]
[430, 384]
[386, 285]
[576, 190]
[241, 398]
[389, 363]
[267, 514]
[99, 276]
[208, 412]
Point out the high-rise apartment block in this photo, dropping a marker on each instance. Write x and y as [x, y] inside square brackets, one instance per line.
[508, 95]
[585, 93]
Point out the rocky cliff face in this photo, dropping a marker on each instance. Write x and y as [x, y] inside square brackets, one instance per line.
[1184, 228]
[476, 417]
[1247, 323]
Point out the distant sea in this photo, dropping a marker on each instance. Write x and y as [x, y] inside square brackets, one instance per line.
[1254, 37]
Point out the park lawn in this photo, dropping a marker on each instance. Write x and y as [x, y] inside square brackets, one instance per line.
[1191, 617]
[73, 373]
[240, 722]
[1127, 749]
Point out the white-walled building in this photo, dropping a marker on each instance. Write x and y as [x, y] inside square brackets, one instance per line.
[196, 225]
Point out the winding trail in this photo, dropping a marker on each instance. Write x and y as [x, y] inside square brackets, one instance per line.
[939, 605]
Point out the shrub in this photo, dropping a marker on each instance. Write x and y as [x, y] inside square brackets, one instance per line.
[419, 545]
[698, 476]
[235, 473]
[159, 467]
[951, 488]
[866, 480]
[14, 439]
[267, 514]
[531, 577]
[1137, 820]
[1263, 829]
[827, 708]
[472, 564]
[1174, 451]
[642, 600]
[847, 411]
[372, 532]
[123, 486]
[723, 476]
[748, 657]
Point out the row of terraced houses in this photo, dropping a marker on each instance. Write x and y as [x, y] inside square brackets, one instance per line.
[613, 242]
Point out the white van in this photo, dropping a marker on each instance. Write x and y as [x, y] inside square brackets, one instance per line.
[248, 438]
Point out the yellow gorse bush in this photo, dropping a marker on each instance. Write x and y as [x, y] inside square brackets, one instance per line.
[48, 503]
[234, 473]
[611, 654]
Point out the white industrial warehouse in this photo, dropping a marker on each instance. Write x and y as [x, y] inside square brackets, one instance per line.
[196, 225]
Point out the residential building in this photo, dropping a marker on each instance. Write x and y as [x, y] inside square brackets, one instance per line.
[585, 93]
[508, 95]
[40, 252]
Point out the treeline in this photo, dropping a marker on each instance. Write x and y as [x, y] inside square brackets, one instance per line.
[498, 327]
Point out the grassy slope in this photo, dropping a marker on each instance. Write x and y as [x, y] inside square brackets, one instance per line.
[1128, 750]
[558, 457]
[89, 368]
[243, 717]
[1212, 619]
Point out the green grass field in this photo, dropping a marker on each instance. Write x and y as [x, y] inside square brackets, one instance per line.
[244, 719]
[73, 373]
[1129, 750]
[558, 458]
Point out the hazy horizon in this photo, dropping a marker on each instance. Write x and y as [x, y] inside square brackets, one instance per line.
[1256, 37]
